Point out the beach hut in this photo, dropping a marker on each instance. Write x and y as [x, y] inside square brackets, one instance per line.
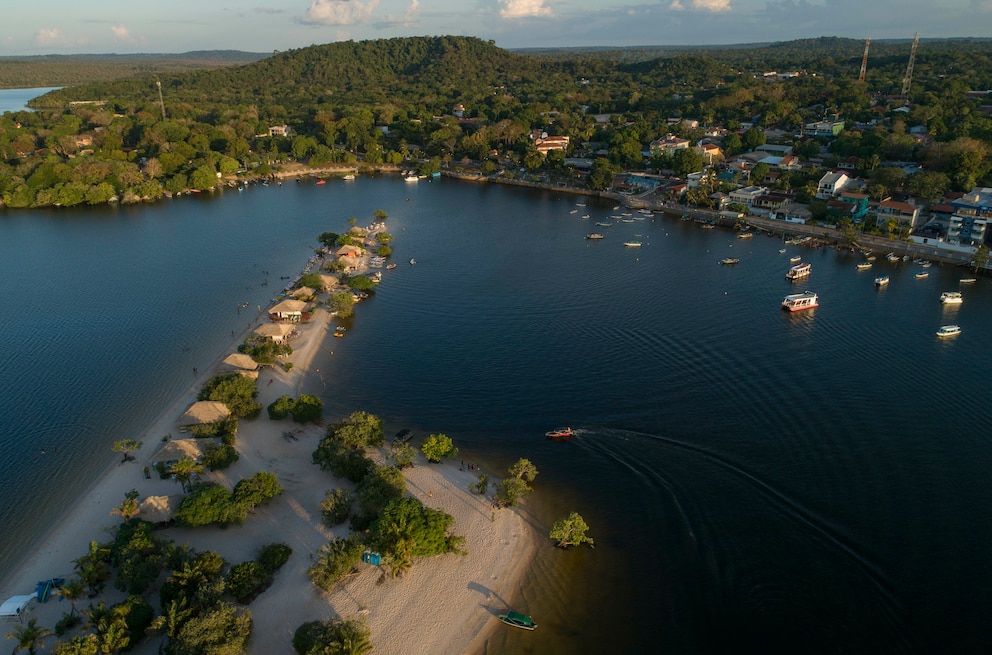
[176, 449]
[328, 282]
[349, 251]
[303, 292]
[159, 509]
[203, 412]
[241, 364]
[289, 310]
[278, 332]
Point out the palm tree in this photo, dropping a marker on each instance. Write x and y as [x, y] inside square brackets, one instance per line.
[172, 618]
[352, 638]
[128, 508]
[73, 591]
[29, 636]
[184, 470]
[93, 568]
[97, 616]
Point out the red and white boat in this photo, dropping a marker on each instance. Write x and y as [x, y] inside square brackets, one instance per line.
[796, 302]
[559, 433]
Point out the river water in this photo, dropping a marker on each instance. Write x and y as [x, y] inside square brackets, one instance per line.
[755, 481]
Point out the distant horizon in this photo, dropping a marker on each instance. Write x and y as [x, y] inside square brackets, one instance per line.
[674, 46]
[68, 27]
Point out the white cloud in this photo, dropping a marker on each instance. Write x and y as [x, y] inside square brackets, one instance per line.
[121, 33]
[523, 8]
[711, 5]
[676, 6]
[47, 36]
[339, 12]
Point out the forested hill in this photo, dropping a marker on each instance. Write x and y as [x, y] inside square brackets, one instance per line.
[432, 72]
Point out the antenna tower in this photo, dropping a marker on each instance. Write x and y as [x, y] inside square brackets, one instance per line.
[161, 102]
[864, 61]
[909, 68]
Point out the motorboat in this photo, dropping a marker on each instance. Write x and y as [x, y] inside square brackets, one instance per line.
[795, 259]
[632, 244]
[349, 176]
[517, 620]
[881, 280]
[594, 236]
[864, 266]
[799, 271]
[921, 275]
[892, 257]
[797, 302]
[729, 260]
[412, 261]
[560, 433]
[951, 298]
[968, 280]
[391, 266]
[948, 331]
[601, 224]
[745, 235]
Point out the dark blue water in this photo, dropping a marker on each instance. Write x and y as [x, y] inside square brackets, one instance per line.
[755, 481]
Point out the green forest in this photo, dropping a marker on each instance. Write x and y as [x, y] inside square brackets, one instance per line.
[394, 101]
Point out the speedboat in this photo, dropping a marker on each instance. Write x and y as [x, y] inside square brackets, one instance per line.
[796, 302]
[632, 244]
[968, 280]
[951, 298]
[594, 236]
[948, 331]
[390, 267]
[799, 271]
[560, 433]
[729, 260]
[881, 280]
[412, 261]
[517, 620]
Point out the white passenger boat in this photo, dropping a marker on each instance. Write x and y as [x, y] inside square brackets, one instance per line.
[797, 302]
[795, 259]
[881, 280]
[951, 298]
[948, 331]
[799, 271]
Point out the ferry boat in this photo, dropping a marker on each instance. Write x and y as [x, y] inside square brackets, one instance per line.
[632, 244]
[560, 433]
[864, 266]
[948, 331]
[594, 236]
[799, 271]
[881, 280]
[729, 260]
[796, 302]
[951, 298]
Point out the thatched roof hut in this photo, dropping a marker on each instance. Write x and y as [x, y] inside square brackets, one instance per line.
[278, 332]
[349, 251]
[328, 282]
[159, 509]
[203, 412]
[289, 309]
[175, 449]
[240, 361]
[303, 292]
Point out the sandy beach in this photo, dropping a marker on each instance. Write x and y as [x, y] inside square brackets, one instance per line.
[446, 604]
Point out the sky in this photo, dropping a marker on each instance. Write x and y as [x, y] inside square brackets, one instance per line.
[33, 27]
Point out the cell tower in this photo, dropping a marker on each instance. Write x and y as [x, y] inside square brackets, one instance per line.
[906, 81]
[864, 61]
[161, 102]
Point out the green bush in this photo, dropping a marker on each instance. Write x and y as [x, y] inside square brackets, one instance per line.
[206, 505]
[336, 507]
[218, 457]
[273, 556]
[307, 409]
[256, 490]
[334, 559]
[234, 390]
[280, 408]
[343, 462]
[67, 623]
[437, 447]
[244, 579]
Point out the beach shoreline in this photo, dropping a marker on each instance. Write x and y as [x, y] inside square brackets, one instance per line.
[403, 614]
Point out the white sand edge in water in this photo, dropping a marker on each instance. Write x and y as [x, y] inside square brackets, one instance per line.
[445, 604]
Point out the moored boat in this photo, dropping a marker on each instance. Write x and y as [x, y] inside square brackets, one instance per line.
[745, 235]
[948, 331]
[921, 275]
[795, 259]
[390, 267]
[603, 224]
[881, 280]
[797, 302]
[560, 433]
[412, 261]
[864, 266]
[892, 257]
[968, 280]
[348, 176]
[729, 260]
[799, 271]
[632, 244]
[517, 620]
[951, 298]
[594, 236]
